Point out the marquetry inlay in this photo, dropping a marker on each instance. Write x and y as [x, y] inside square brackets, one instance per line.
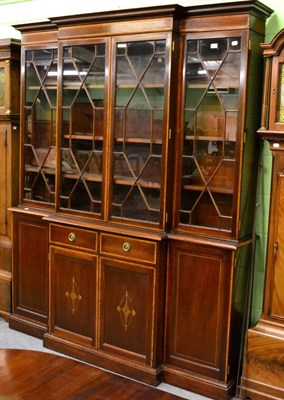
[73, 296]
[126, 310]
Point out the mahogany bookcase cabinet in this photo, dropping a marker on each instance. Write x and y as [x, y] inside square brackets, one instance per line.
[138, 165]
[9, 160]
[263, 376]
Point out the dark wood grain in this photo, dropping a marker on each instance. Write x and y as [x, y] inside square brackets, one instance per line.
[36, 376]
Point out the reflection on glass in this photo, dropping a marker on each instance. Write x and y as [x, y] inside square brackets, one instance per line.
[82, 128]
[40, 125]
[210, 132]
[138, 130]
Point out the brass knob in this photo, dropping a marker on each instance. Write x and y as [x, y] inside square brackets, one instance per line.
[71, 237]
[126, 246]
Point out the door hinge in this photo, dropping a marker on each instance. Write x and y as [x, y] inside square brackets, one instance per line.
[173, 45]
[170, 133]
[245, 136]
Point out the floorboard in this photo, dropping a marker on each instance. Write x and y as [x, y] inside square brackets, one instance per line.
[34, 375]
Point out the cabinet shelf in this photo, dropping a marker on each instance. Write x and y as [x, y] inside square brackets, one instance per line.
[208, 138]
[37, 169]
[213, 188]
[47, 87]
[118, 180]
[86, 176]
[134, 85]
[138, 140]
[126, 181]
[83, 136]
[77, 86]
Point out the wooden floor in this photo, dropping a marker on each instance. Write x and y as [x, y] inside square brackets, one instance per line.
[33, 375]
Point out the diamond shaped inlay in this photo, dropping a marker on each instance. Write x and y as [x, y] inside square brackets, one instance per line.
[126, 310]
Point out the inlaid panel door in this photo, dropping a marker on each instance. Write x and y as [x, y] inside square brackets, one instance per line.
[127, 309]
[73, 301]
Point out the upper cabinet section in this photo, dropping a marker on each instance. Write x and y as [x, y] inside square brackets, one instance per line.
[137, 116]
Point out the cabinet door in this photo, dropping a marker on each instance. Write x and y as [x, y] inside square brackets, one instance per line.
[39, 125]
[30, 270]
[198, 309]
[3, 181]
[139, 130]
[211, 139]
[82, 127]
[127, 316]
[73, 294]
[276, 288]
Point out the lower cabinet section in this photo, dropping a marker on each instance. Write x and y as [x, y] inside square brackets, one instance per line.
[205, 307]
[30, 274]
[151, 307]
[107, 300]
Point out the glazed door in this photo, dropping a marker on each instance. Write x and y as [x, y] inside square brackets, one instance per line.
[82, 127]
[39, 126]
[139, 131]
[211, 140]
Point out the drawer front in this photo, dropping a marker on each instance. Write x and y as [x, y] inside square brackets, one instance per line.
[129, 248]
[75, 237]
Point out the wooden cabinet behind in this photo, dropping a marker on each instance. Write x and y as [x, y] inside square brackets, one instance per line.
[138, 141]
[263, 374]
[9, 165]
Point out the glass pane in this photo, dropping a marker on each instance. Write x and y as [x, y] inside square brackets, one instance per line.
[138, 130]
[82, 128]
[40, 125]
[280, 110]
[210, 132]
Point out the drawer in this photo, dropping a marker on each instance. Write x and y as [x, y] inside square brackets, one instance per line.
[75, 237]
[129, 248]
